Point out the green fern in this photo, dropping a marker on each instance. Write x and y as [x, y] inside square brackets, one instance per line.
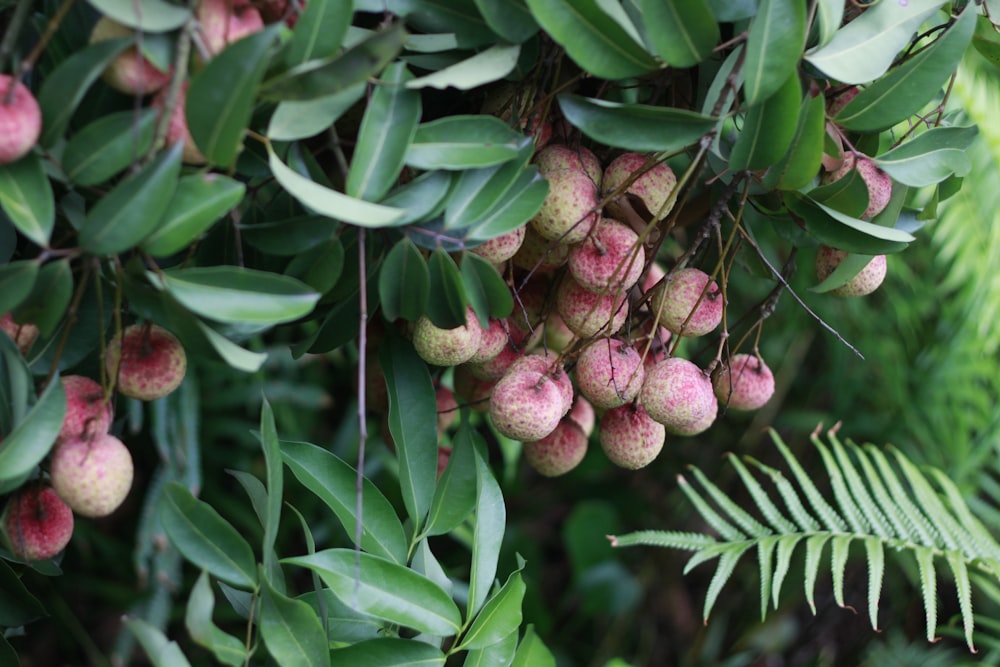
[879, 499]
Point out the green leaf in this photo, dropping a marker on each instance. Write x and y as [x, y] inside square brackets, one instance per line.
[404, 282]
[447, 309]
[145, 15]
[500, 653]
[17, 605]
[930, 157]
[510, 19]
[412, 423]
[768, 129]
[684, 32]
[291, 630]
[198, 620]
[532, 651]
[849, 267]
[986, 40]
[198, 202]
[801, 163]
[32, 438]
[774, 48]
[234, 355]
[275, 486]
[320, 30]
[64, 88]
[455, 493]
[127, 214]
[423, 197]
[319, 267]
[161, 651]
[829, 16]
[462, 142]
[636, 127]
[491, 520]
[238, 295]
[595, 42]
[907, 88]
[291, 236]
[477, 191]
[108, 145]
[499, 617]
[485, 67]
[520, 205]
[205, 538]
[332, 74]
[388, 127]
[840, 231]
[331, 203]
[221, 97]
[335, 483]
[297, 120]
[388, 652]
[488, 293]
[16, 282]
[50, 296]
[26, 197]
[385, 590]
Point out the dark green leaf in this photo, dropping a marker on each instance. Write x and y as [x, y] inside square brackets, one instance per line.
[26, 197]
[491, 520]
[636, 127]
[532, 652]
[198, 620]
[684, 32]
[463, 142]
[768, 129]
[849, 267]
[479, 190]
[319, 267]
[986, 40]
[198, 202]
[16, 281]
[499, 617]
[455, 493]
[488, 293]
[147, 15]
[849, 234]
[848, 195]
[298, 120]
[510, 19]
[290, 236]
[423, 197]
[805, 155]
[50, 297]
[161, 651]
[404, 282]
[275, 487]
[108, 145]
[485, 67]
[447, 309]
[320, 30]
[388, 652]
[774, 48]
[31, 439]
[344, 624]
[17, 605]
[435, 17]
[522, 202]
[127, 214]
[291, 630]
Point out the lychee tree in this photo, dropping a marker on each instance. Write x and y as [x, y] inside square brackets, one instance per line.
[512, 211]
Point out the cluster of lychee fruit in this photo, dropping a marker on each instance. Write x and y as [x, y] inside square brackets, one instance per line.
[90, 471]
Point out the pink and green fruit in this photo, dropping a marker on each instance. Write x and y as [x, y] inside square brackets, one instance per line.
[23, 335]
[677, 394]
[447, 347]
[629, 437]
[93, 476]
[130, 72]
[611, 258]
[745, 384]
[653, 187]
[558, 452]
[689, 302]
[865, 282]
[88, 411]
[147, 361]
[526, 405]
[20, 120]
[609, 373]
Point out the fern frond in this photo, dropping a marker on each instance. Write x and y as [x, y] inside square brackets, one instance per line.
[879, 498]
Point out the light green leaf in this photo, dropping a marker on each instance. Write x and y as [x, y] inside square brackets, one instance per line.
[145, 15]
[801, 163]
[636, 127]
[500, 653]
[291, 630]
[774, 48]
[532, 651]
[198, 620]
[876, 569]
[829, 16]
[499, 617]
[455, 493]
[320, 30]
[161, 651]
[26, 197]
[198, 202]
[520, 205]
[931, 157]
[484, 67]
[108, 145]
[230, 352]
[297, 120]
[490, 522]
[462, 142]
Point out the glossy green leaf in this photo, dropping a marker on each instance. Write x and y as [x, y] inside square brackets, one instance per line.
[221, 97]
[510, 19]
[491, 521]
[532, 651]
[437, 17]
[234, 355]
[500, 653]
[986, 40]
[595, 42]
[145, 15]
[499, 617]
[290, 236]
[238, 295]
[774, 48]
[848, 195]
[485, 288]
[320, 267]
[334, 482]
[344, 624]
[455, 493]
[65, 86]
[50, 296]
[801, 163]
[768, 129]
[331, 203]
[131, 211]
[476, 191]
[387, 128]
[462, 142]
[275, 486]
[447, 309]
[26, 197]
[385, 590]
[17, 605]
[325, 76]
[161, 651]
[292, 631]
[829, 16]
[485, 67]
[865, 48]
[684, 32]
[520, 205]
[31, 439]
[412, 423]
[404, 283]
[907, 88]
[226, 648]
[849, 234]
[16, 281]
[931, 157]
[636, 127]
[198, 202]
[108, 145]
[388, 652]
[297, 120]
[205, 538]
[320, 31]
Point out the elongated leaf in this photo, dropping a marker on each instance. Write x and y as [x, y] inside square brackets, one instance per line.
[16, 281]
[477, 191]
[31, 439]
[26, 197]
[636, 127]
[447, 309]
[462, 142]
[335, 483]
[727, 563]
[198, 202]
[930, 157]
[291, 630]
[205, 538]
[388, 652]
[768, 129]
[404, 282]
[499, 617]
[298, 120]
[145, 15]
[829, 15]
[500, 653]
[320, 31]
[385, 590]
[455, 493]
[684, 32]
[849, 267]
[488, 293]
[275, 487]
[50, 296]
[491, 519]
[850, 234]
[108, 145]
[774, 48]
[510, 19]
[523, 201]
[805, 154]
[198, 620]
[532, 651]
[234, 355]
[484, 67]
[18, 606]
[127, 214]
[291, 236]
[161, 651]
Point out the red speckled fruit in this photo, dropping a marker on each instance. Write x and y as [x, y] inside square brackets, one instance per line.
[38, 523]
[865, 282]
[20, 120]
[583, 414]
[149, 361]
[680, 296]
[87, 413]
[503, 247]
[653, 187]
[556, 157]
[547, 363]
[747, 384]
[526, 405]
[588, 314]
[539, 254]
[629, 437]
[677, 393]
[92, 476]
[569, 211]
[558, 452]
[609, 373]
[611, 258]
[878, 182]
[447, 347]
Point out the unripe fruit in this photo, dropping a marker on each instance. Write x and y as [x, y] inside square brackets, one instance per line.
[676, 393]
[226, 21]
[629, 437]
[558, 452]
[20, 120]
[526, 405]
[569, 211]
[558, 157]
[609, 373]
[503, 247]
[177, 130]
[492, 342]
[680, 296]
[611, 258]
[23, 335]
[447, 347]
[582, 413]
[878, 182]
[92, 476]
[38, 523]
[653, 187]
[865, 282]
[558, 336]
[130, 72]
[835, 105]
[746, 384]
[588, 314]
[539, 254]
[149, 361]
[88, 414]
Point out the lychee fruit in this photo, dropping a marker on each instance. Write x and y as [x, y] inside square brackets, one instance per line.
[531, 302]
[865, 282]
[37, 522]
[177, 130]
[447, 408]
[745, 384]
[588, 314]
[558, 452]
[503, 247]
[609, 373]
[653, 187]
[539, 254]
[92, 476]
[611, 258]
[559, 157]
[569, 211]
[526, 405]
[147, 360]
[558, 336]
[548, 364]
[226, 21]
[20, 120]
[677, 393]
[492, 341]
[88, 412]
[689, 302]
[447, 347]
[495, 368]
[630, 437]
[23, 335]
[699, 425]
[836, 104]
[878, 182]
[582, 413]
[130, 72]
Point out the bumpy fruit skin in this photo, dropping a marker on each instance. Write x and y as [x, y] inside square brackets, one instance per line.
[680, 295]
[92, 476]
[149, 360]
[676, 393]
[547, 363]
[492, 341]
[583, 414]
[878, 182]
[699, 425]
[557, 157]
[588, 314]
[865, 282]
[129, 72]
[503, 247]
[609, 373]
[539, 254]
[609, 259]
[38, 523]
[630, 437]
[88, 414]
[653, 187]
[558, 452]
[20, 120]
[526, 405]
[226, 21]
[747, 384]
[177, 130]
[569, 211]
[23, 335]
[447, 347]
